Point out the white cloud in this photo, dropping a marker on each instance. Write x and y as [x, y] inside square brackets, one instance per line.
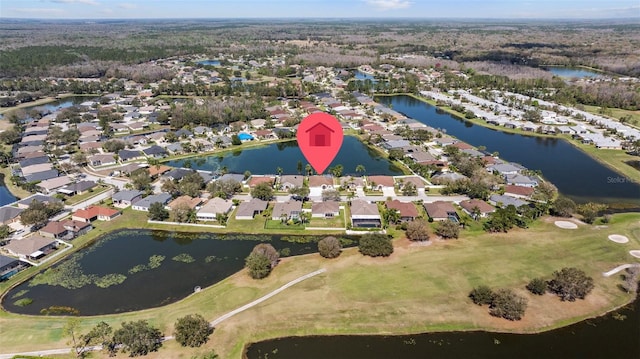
[85, 2]
[127, 6]
[389, 4]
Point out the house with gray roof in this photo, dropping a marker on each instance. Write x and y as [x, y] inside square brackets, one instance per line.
[505, 168]
[287, 210]
[123, 199]
[41, 176]
[145, 203]
[210, 210]
[365, 214]
[9, 266]
[36, 197]
[520, 180]
[155, 151]
[128, 155]
[175, 147]
[177, 174]
[9, 214]
[505, 201]
[34, 161]
[231, 176]
[247, 210]
[288, 182]
[77, 188]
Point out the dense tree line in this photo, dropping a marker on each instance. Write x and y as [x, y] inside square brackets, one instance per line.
[214, 111]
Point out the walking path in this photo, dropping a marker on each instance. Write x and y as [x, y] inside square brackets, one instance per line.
[213, 323]
[618, 269]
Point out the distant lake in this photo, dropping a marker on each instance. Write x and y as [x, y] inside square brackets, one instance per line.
[573, 73]
[187, 260]
[574, 173]
[265, 160]
[209, 62]
[361, 76]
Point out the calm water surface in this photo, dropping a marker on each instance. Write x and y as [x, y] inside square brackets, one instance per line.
[213, 258]
[265, 160]
[576, 175]
[599, 338]
[573, 73]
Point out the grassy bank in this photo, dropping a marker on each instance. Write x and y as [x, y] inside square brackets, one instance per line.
[417, 289]
[5, 175]
[614, 159]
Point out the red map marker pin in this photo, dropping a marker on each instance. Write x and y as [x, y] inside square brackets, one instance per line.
[320, 138]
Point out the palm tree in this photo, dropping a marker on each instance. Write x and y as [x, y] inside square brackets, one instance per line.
[307, 169]
[279, 171]
[360, 169]
[299, 167]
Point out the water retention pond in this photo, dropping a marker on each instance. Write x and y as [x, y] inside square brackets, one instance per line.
[130, 270]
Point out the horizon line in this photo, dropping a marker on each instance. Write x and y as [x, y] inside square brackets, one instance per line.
[334, 18]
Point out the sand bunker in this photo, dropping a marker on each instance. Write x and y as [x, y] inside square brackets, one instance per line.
[635, 253]
[618, 238]
[566, 225]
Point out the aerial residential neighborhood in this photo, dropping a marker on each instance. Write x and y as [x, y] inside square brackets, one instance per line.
[231, 188]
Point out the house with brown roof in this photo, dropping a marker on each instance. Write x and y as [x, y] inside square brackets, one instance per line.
[365, 214]
[33, 247]
[328, 209]
[378, 183]
[256, 180]
[408, 211]
[67, 229]
[54, 230]
[441, 211]
[93, 213]
[50, 185]
[519, 191]
[477, 206]
[210, 210]
[287, 210]
[247, 210]
[191, 202]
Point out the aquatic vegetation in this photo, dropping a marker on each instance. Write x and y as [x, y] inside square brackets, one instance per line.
[110, 279]
[68, 275]
[154, 262]
[20, 294]
[23, 302]
[184, 258]
[59, 310]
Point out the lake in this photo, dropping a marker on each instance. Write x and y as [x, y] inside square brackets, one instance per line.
[604, 337]
[158, 268]
[5, 196]
[265, 160]
[209, 62]
[573, 73]
[576, 175]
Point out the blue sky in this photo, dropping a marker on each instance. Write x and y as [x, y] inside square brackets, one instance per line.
[517, 9]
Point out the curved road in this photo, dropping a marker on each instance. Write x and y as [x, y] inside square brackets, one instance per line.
[213, 323]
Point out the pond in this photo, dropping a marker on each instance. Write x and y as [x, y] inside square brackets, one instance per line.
[265, 160]
[573, 73]
[576, 175]
[130, 270]
[362, 76]
[5, 196]
[614, 335]
[209, 62]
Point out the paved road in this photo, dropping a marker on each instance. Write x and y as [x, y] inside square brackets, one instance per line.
[213, 323]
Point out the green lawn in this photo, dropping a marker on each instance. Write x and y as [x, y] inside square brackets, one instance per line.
[278, 225]
[417, 289]
[336, 222]
[99, 189]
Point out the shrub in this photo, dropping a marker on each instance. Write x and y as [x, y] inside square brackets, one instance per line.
[329, 247]
[375, 245]
[571, 283]
[448, 229]
[192, 330]
[508, 305]
[481, 295]
[418, 230]
[537, 286]
[258, 265]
